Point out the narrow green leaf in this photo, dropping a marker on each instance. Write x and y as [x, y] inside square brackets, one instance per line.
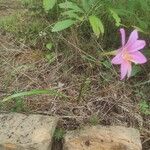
[135, 70]
[96, 25]
[116, 17]
[70, 5]
[61, 25]
[139, 29]
[48, 4]
[107, 64]
[52, 92]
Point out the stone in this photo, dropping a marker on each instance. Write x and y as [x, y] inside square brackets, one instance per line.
[26, 132]
[103, 138]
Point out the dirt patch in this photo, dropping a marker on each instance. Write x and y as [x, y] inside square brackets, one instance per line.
[9, 7]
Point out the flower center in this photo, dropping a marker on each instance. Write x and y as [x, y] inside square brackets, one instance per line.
[127, 56]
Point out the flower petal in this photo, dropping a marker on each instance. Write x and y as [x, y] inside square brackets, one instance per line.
[137, 45]
[132, 38]
[125, 69]
[138, 58]
[122, 31]
[117, 59]
[129, 70]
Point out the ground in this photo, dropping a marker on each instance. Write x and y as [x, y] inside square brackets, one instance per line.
[95, 96]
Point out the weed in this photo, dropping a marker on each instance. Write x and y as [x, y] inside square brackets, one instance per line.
[32, 4]
[94, 120]
[19, 106]
[84, 88]
[10, 23]
[145, 107]
[33, 92]
[59, 134]
[73, 57]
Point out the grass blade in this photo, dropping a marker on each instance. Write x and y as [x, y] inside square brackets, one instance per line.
[51, 92]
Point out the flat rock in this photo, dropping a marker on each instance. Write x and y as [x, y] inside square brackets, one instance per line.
[26, 132]
[103, 138]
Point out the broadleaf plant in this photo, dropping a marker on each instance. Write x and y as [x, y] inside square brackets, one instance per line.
[61, 25]
[48, 4]
[96, 25]
[74, 13]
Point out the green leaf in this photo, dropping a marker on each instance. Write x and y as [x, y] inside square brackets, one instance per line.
[145, 107]
[48, 4]
[51, 57]
[52, 92]
[139, 29]
[89, 58]
[107, 64]
[85, 5]
[142, 24]
[116, 17]
[70, 14]
[146, 52]
[49, 46]
[70, 5]
[96, 25]
[61, 25]
[92, 2]
[135, 70]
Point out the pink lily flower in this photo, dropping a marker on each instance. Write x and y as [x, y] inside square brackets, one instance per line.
[129, 53]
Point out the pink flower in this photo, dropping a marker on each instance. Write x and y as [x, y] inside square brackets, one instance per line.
[129, 53]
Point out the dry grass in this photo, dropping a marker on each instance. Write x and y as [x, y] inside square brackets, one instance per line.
[96, 96]
[103, 102]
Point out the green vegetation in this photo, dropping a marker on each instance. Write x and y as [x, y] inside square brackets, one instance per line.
[59, 134]
[86, 28]
[94, 120]
[34, 92]
[65, 49]
[145, 107]
[100, 15]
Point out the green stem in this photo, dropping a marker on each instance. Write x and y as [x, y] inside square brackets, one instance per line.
[109, 53]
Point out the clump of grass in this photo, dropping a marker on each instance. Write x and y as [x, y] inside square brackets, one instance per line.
[59, 134]
[145, 107]
[31, 4]
[94, 120]
[27, 25]
[19, 106]
[10, 23]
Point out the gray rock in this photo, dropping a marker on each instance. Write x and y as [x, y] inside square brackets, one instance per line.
[103, 138]
[26, 132]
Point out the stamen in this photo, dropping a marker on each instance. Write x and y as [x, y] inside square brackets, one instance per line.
[127, 56]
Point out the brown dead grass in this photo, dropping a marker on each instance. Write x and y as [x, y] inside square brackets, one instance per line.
[105, 100]
[111, 103]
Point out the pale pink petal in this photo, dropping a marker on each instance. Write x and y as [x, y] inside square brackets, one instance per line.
[137, 45]
[129, 70]
[117, 59]
[138, 58]
[125, 69]
[122, 31]
[132, 38]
